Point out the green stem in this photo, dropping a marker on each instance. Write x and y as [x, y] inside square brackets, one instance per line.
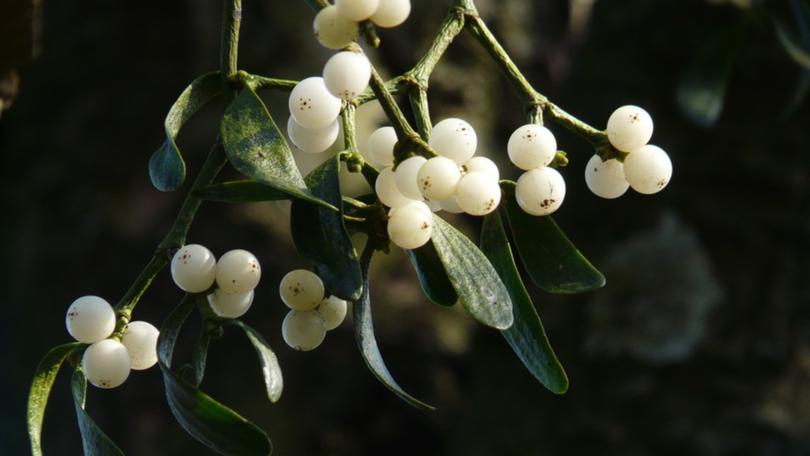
[421, 112]
[257, 82]
[389, 105]
[452, 25]
[317, 5]
[214, 162]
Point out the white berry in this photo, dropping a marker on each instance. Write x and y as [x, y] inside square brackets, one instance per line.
[410, 226]
[106, 363]
[312, 140]
[629, 127]
[238, 271]
[381, 144]
[332, 311]
[421, 205]
[540, 191]
[478, 193]
[346, 74]
[391, 13]
[387, 191]
[433, 205]
[484, 165]
[303, 330]
[333, 30]
[605, 178]
[648, 169]
[531, 146]
[454, 139]
[193, 268]
[451, 205]
[438, 177]
[140, 339]
[230, 305]
[312, 105]
[90, 319]
[357, 10]
[301, 289]
[406, 177]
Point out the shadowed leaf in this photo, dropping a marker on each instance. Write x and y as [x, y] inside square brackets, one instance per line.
[432, 276]
[241, 191]
[271, 371]
[94, 441]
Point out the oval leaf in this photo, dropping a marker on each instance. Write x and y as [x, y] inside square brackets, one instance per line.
[241, 191]
[167, 170]
[257, 149]
[199, 358]
[40, 391]
[94, 441]
[367, 343]
[271, 370]
[210, 422]
[552, 261]
[432, 276]
[321, 237]
[527, 337]
[479, 288]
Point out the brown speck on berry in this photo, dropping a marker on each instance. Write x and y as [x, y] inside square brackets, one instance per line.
[424, 226]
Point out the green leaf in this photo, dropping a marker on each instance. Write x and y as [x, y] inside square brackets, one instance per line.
[167, 170]
[479, 288]
[798, 53]
[527, 337]
[256, 148]
[40, 391]
[199, 359]
[210, 422]
[321, 237]
[552, 261]
[94, 440]
[702, 90]
[432, 276]
[241, 191]
[271, 370]
[367, 343]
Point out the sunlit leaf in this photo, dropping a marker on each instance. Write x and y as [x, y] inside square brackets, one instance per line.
[167, 170]
[94, 441]
[213, 424]
[367, 343]
[321, 237]
[552, 261]
[527, 337]
[478, 286]
[257, 149]
[40, 391]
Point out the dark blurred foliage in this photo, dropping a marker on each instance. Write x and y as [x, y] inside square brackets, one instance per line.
[699, 344]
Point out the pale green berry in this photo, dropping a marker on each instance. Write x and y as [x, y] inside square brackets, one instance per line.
[629, 127]
[230, 305]
[238, 271]
[648, 169]
[410, 226]
[301, 290]
[531, 146]
[106, 363]
[333, 311]
[406, 177]
[303, 329]
[140, 339]
[193, 268]
[346, 74]
[333, 30]
[484, 165]
[455, 139]
[357, 10]
[478, 193]
[540, 191]
[90, 319]
[391, 13]
[438, 177]
[605, 178]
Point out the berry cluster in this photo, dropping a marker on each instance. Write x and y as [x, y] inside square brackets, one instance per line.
[453, 181]
[315, 102]
[312, 313]
[236, 273]
[336, 26]
[540, 189]
[646, 168]
[108, 360]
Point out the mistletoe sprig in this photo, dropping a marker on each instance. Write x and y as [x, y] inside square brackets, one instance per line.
[416, 169]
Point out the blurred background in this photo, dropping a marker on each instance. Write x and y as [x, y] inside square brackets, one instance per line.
[699, 343]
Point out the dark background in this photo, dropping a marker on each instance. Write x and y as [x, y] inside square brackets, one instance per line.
[699, 343]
